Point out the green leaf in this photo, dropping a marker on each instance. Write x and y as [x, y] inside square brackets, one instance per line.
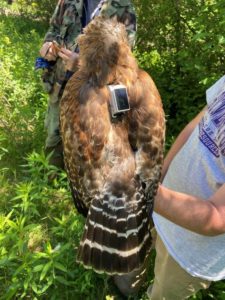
[62, 280]
[45, 270]
[10, 293]
[38, 268]
[12, 224]
[26, 283]
[59, 266]
[34, 287]
[19, 270]
[41, 255]
[49, 248]
[2, 237]
[45, 287]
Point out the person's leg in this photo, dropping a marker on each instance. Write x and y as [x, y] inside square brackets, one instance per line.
[53, 141]
[171, 281]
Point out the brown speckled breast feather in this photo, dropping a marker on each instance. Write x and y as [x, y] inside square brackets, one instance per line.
[113, 165]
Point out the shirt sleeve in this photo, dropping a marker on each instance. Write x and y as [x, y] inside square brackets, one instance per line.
[55, 22]
[125, 13]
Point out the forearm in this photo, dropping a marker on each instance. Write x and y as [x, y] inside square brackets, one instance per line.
[190, 212]
[55, 22]
[180, 141]
[175, 148]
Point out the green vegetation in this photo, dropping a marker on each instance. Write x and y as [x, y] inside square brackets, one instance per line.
[180, 45]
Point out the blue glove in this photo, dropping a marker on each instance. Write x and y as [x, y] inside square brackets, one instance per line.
[42, 63]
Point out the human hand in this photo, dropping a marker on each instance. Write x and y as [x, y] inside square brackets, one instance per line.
[70, 59]
[48, 51]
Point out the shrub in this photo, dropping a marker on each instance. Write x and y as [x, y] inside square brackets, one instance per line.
[181, 44]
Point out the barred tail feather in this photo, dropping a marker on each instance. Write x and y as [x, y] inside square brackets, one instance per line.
[116, 237]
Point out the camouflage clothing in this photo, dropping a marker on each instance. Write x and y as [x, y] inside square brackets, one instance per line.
[65, 26]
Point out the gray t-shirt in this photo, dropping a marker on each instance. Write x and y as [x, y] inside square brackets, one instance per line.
[199, 170]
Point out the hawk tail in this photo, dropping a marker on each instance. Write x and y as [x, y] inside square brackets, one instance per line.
[116, 238]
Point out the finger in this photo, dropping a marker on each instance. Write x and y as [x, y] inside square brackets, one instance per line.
[63, 56]
[50, 56]
[53, 51]
[56, 47]
[45, 48]
[66, 51]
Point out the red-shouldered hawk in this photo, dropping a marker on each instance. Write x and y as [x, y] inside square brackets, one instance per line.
[113, 164]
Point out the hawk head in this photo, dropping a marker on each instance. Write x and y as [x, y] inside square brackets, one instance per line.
[103, 47]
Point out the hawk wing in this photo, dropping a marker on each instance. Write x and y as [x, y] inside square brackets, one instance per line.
[147, 134]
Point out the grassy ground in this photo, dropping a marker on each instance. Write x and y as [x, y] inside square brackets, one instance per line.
[39, 226]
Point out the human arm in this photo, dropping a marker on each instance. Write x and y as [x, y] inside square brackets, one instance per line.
[55, 22]
[124, 12]
[180, 141]
[47, 50]
[206, 217]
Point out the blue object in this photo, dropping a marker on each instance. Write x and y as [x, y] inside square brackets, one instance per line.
[42, 63]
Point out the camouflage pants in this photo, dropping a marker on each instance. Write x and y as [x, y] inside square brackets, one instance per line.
[52, 121]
